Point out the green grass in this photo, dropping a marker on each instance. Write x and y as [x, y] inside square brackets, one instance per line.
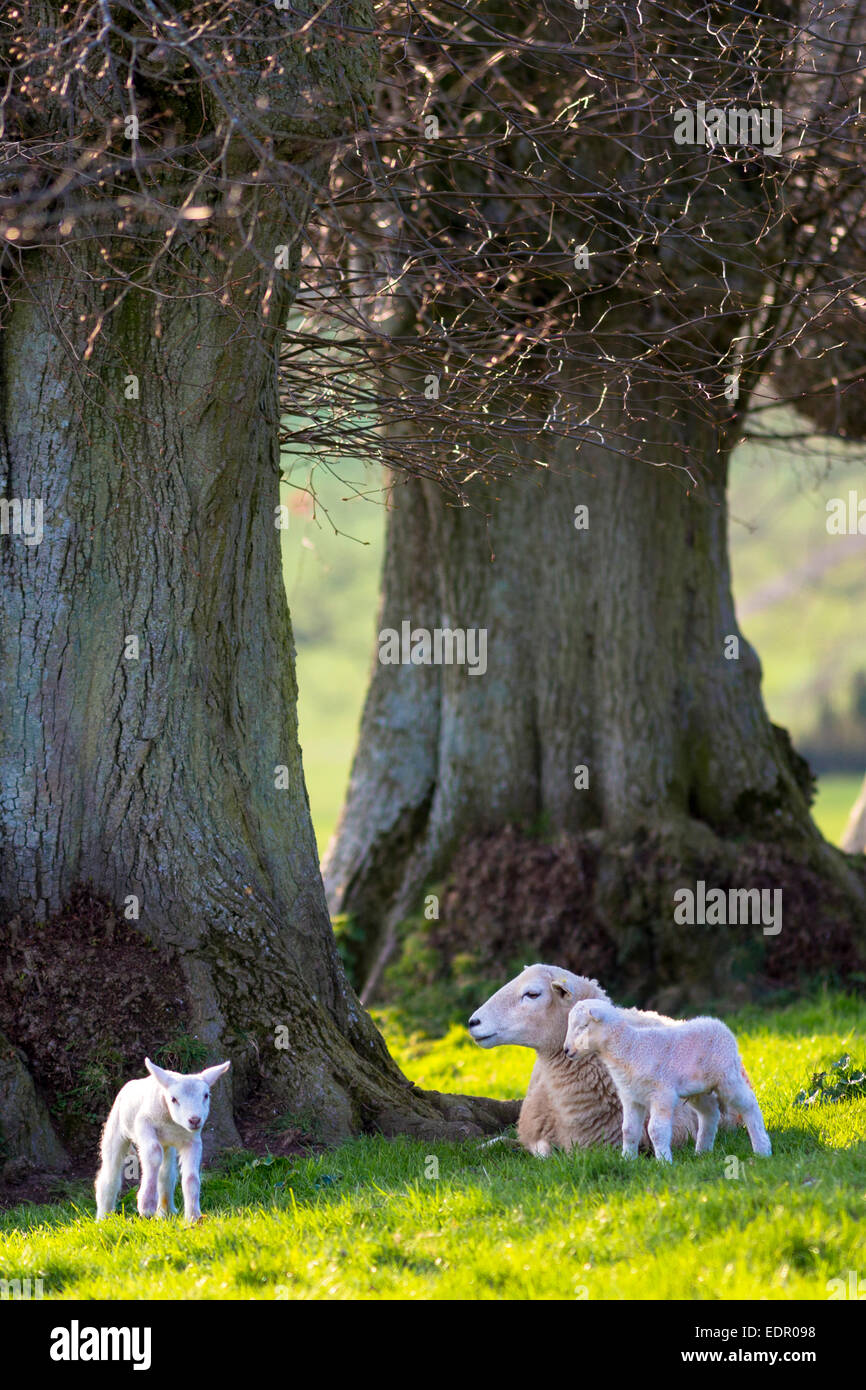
[370, 1219]
[836, 795]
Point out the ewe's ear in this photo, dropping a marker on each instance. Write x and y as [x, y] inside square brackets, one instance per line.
[588, 989]
[561, 987]
[165, 1078]
[213, 1074]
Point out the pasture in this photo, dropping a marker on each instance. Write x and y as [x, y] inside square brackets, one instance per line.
[380, 1219]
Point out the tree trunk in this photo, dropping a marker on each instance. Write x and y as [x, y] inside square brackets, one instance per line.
[26, 1133]
[614, 648]
[148, 734]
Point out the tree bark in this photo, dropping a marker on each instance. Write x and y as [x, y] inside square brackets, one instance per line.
[26, 1132]
[615, 648]
[171, 773]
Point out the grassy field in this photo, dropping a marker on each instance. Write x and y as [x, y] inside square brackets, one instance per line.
[398, 1219]
[332, 553]
[836, 795]
[797, 587]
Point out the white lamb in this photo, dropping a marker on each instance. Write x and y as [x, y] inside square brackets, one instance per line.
[654, 1069]
[163, 1115]
[569, 1103]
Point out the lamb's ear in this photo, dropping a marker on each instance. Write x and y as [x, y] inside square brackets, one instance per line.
[596, 1011]
[213, 1074]
[561, 987]
[164, 1078]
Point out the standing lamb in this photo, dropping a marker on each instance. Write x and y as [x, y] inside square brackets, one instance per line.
[655, 1068]
[163, 1115]
[568, 1103]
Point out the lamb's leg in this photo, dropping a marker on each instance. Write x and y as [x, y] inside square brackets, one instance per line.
[661, 1123]
[190, 1166]
[740, 1097]
[114, 1148]
[708, 1121]
[151, 1157]
[633, 1120]
[167, 1182]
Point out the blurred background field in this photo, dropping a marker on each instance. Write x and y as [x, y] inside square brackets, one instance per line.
[799, 593]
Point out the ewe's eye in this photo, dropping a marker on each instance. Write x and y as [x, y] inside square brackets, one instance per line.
[532, 994]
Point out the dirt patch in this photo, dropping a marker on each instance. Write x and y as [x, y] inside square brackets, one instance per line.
[508, 896]
[86, 997]
[816, 939]
[20, 1183]
[608, 912]
[263, 1130]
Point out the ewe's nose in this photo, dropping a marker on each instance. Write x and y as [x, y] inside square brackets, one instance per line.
[474, 1021]
[194, 1121]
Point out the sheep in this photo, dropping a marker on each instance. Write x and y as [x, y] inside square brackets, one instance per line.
[163, 1115]
[568, 1103]
[655, 1068]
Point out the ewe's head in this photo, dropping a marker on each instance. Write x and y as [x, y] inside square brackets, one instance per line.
[187, 1097]
[532, 1009]
[587, 1024]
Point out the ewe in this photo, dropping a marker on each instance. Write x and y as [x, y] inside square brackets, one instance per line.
[162, 1115]
[655, 1068]
[568, 1103]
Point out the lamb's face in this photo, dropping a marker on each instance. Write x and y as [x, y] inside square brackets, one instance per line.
[187, 1097]
[531, 1010]
[587, 1025]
